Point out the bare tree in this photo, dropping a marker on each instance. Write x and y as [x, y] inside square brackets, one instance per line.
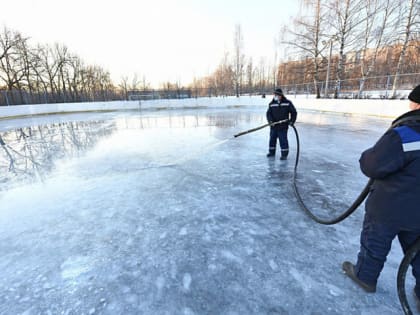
[250, 74]
[62, 55]
[262, 75]
[378, 14]
[49, 64]
[27, 73]
[39, 73]
[135, 83]
[196, 86]
[225, 77]
[344, 21]
[274, 66]
[144, 84]
[74, 78]
[12, 72]
[307, 38]
[124, 86]
[410, 12]
[25, 56]
[238, 58]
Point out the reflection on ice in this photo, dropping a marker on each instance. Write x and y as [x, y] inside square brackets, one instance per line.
[31, 151]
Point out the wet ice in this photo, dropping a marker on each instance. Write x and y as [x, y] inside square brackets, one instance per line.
[166, 213]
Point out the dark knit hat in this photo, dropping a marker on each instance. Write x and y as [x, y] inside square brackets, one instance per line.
[414, 96]
[278, 91]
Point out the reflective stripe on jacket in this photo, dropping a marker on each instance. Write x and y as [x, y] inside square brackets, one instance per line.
[281, 110]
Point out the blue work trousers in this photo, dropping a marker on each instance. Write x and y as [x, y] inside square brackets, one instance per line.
[375, 243]
[281, 134]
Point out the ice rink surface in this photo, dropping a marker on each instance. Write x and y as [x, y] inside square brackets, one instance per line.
[164, 212]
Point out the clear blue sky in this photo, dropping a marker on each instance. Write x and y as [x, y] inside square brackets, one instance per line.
[161, 39]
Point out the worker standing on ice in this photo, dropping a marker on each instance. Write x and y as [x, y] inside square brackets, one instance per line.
[280, 108]
[392, 208]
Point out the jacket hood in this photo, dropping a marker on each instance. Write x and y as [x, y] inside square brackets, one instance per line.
[411, 116]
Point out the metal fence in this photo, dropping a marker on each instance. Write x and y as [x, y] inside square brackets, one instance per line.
[23, 97]
[370, 87]
[379, 87]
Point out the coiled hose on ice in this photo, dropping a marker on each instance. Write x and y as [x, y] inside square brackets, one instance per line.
[345, 214]
[411, 252]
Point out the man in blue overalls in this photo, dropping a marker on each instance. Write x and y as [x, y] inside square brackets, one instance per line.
[392, 208]
[280, 108]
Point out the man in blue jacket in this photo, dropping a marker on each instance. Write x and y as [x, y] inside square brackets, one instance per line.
[393, 205]
[280, 108]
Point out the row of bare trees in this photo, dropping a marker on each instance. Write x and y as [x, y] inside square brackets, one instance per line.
[45, 74]
[331, 42]
[236, 74]
[52, 74]
[361, 34]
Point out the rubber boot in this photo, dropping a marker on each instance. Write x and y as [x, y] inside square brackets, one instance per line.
[348, 269]
[284, 154]
[271, 153]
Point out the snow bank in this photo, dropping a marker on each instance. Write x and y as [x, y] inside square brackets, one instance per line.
[383, 108]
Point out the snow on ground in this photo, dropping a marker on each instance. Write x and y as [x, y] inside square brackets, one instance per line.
[164, 212]
[378, 107]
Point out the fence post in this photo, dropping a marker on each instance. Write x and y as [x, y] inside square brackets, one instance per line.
[7, 99]
[338, 88]
[361, 86]
[388, 82]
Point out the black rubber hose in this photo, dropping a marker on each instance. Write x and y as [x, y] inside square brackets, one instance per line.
[402, 272]
[261, 127]
[411, 252]
[345, 214]
[408, 257]
[411, 116]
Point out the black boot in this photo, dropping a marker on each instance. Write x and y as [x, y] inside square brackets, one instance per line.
[284, 154]
[348, 269]
[271, 153]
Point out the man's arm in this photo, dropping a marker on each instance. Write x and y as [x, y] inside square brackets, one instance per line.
[269, 114]
[293, 113]
[384, 158]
